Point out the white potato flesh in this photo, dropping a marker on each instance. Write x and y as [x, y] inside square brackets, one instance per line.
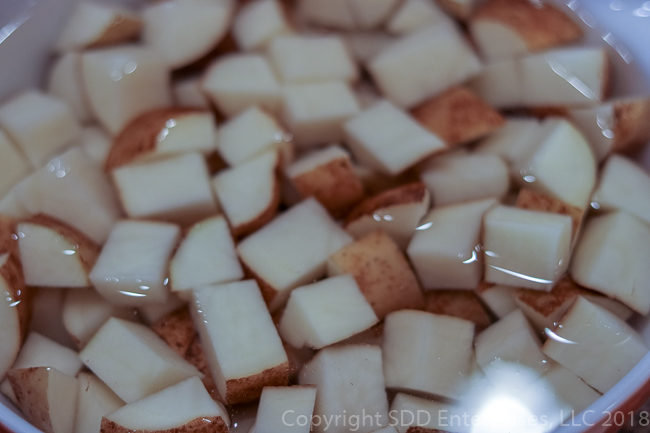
[509, 353]
[191, 132]
[315, 112]
[132, 266]
[95, 400]
[249, 134]
[187, 92]
[165, 27]
[133, 361]
[423, 64]
[389, 140]
[239, 81]
[237, 332]
[349, 380]
[610, 258]
[425, 352]
[328, 13]
[281, 407]
[96, 143]
[595, 345]
[499, 299]
[170, 408]
[124, 82]
[40, 124]
[414, 15]
[292, 60]
[293, 248]
[258, 22]
[513, 141]
[176, 188]
[64, 82]
[445, 249]
[249, 190]
[325, 312]
[456, 178]
[13, 165]
[525, 248]
[496, 41]
[206, 256]
[49, 259]
[623, 185]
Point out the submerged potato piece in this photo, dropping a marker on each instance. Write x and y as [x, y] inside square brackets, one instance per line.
[396, 211]
[46, 396]
[387, 139]
[93, 25]
[464, 304]
[414, 15]
[610, 258]
[133, 361]
[41, 125]
[458, 116]
[445, 250]
[327, 175]
[175, 188]
[182, 407]
[132, 267]
[95, 400]
[507, 236]
[535, 200]
[349, 380]
[54, 254]
[258, 22]
[13, 165]
[508, 28]
[424, 63]
[283, 408]
[235, 82]
[425, 352]
[15, 310]
[291, 250]
[242, 345]
[162, 132]
[604, 348]
[249, 193]
[381, 271]
[326, 312]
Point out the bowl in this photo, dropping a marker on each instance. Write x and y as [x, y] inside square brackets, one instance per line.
[27, 28]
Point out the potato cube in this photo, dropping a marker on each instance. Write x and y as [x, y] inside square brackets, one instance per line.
[13, 165]
[325, 312]
[414, 15]
[464, 304]
[41, 125]
[509, 353]
[624, 185]
[176, 188]
[389, 140]
[396, 211]
[499, 299]
[445, 251]
[328, 13]
[241, 343]
[284, 409]
[316, 112]
[459, 177]
[381, 271]
[427, 352]
[132, 266]
[249, 134]
[258, 22]
[292, 57]
[95, 400]
[239, 81]
[291, 250]
[327, 175]
[249, 193]
[535, 200]
[133, 361]
[610, 258]
[424, 63]
[349, 380]
[595, 345]
[525, 248]
[458, 116]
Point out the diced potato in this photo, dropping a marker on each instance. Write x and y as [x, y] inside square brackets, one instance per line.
[381, 271]
[95, 400]
[499, 299]
[285, 408]
[64, 82]
[464, 304]
[595, 345]
[538, 201]
[291, 250]
[325, 312]
[387, 139]
[132, 266]
[258, 22]
[241, 343]
[413, 15]
[425, 352]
